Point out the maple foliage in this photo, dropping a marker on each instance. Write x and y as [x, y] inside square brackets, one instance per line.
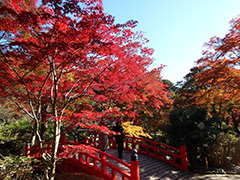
[218, 82]
[74, 149]
[134, 131]
[154, 102]
[61, 61]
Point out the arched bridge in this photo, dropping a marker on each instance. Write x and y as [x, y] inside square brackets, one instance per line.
[155, 160]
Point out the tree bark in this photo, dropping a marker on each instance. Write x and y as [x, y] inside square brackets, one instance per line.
[57, 133]
[235, 124]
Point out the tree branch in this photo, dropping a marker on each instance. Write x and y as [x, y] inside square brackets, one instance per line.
[24, 83]
[72, 98]
[21, 107]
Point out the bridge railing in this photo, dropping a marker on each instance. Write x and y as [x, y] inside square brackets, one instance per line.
[174, 156]
[99, 163]
[34, 150]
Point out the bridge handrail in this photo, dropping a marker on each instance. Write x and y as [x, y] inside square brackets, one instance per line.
[34, 150]
[101, 153]
[172, 155]
[91, 161]
[176, 157]
[154, 142]
[78, 160]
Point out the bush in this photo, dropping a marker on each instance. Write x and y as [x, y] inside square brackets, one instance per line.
[15, 167]
[194, 126]
[225, 152]
[76, 176]
[14, 136]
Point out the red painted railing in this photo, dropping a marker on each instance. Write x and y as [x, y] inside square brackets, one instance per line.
[98, 163]
[174, 156]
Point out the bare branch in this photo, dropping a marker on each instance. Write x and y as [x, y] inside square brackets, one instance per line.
[22, 108]
[76, 96]
[3, 35]
[24, 83]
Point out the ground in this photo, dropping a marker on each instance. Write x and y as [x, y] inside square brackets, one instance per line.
[82, 176]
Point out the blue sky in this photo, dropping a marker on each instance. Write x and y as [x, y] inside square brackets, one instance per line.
[177, 29]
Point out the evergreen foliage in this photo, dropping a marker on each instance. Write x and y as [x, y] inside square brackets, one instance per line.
[195, 127]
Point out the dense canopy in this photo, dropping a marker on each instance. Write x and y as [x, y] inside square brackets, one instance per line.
[67, 61]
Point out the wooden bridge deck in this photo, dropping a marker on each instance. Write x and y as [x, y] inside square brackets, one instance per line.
[154, 169]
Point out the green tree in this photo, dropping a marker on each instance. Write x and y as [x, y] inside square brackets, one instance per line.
[195, 127]
[186, 89]
[171, 87]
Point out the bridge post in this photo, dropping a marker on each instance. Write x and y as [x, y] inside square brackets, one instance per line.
[103, 164]
[183, 154]
[134, 166]
[27, 151]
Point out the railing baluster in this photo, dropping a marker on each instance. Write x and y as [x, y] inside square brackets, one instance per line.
[80, 157]
[155, 148]
[103, 164]
[28, 146]
[113, 174]
[87, 160]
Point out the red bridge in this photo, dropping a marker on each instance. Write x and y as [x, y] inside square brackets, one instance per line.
[131, 167]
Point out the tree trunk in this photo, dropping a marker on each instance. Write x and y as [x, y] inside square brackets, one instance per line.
[44, 122]
[57, 133]
[235, 124]
[43, 130]
[34, 139]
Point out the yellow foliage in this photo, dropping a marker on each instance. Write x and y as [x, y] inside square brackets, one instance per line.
[133, 130]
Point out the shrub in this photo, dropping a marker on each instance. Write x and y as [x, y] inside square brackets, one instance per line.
[76, 176]
[194, 126]
[225, 152]
[14, 136]
[15, 167]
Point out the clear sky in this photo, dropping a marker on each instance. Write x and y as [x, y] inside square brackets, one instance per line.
[177, 29]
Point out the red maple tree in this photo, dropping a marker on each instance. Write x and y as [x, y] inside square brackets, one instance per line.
[59, 59]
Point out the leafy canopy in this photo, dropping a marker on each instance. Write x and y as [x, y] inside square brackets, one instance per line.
[60, 61]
